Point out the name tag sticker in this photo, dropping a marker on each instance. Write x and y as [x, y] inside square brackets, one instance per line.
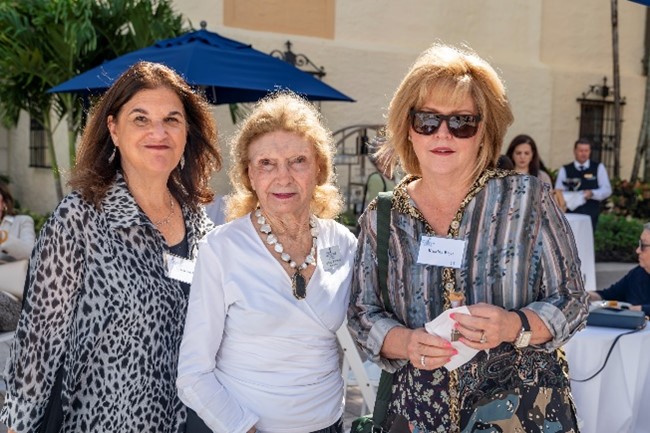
[441, 251]
[331, 258]
[179, 268]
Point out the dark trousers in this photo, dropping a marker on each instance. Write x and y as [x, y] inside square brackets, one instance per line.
[337, 427]
[195, 425]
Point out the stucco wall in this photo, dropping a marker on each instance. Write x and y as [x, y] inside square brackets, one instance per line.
[548, 52]
[33, 187]
[577, 47]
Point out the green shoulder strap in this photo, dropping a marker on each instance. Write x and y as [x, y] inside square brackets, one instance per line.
[384, 205]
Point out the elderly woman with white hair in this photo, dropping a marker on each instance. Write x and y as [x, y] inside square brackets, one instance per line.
[271, 287]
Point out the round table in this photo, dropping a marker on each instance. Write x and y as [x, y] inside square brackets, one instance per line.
[617, 400]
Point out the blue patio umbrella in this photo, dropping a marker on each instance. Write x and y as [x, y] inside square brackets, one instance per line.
[228, 71]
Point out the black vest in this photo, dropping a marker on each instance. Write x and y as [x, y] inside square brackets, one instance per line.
[588, 180]
[588, 177]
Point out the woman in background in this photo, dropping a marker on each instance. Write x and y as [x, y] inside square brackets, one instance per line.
[16, 231]
[16, 243]
[523, 153]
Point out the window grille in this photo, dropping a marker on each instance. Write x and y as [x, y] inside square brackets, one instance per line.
[597, 125]
[38, 152]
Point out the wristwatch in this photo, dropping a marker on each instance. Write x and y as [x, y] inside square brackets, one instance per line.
[523, 339]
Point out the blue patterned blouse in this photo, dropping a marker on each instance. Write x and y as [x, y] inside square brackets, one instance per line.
[520, 253]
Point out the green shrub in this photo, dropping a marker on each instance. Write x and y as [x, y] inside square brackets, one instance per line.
[630, 199]
[350, 220]
[617, 238]
[347, 218]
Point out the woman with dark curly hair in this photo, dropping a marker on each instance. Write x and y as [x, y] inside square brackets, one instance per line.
[96, 349]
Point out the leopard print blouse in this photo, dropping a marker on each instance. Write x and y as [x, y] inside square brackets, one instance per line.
[101, 307]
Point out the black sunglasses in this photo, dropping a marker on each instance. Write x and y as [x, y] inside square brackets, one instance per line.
[643, 246]
[459, 125]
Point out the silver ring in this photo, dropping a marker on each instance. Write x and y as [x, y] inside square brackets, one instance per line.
[423, 360]
[483, 340]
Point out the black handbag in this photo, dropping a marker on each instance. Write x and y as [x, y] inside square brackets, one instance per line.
[373, 423]
[617, 318]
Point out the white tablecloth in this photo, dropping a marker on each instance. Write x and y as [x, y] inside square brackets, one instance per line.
[583, 234]
[618, 399]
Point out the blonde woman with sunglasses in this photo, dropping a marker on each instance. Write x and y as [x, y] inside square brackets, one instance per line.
[466, 235]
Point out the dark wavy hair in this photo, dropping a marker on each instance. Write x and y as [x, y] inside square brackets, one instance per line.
[8, 200]
[93, 174]
[535, 164]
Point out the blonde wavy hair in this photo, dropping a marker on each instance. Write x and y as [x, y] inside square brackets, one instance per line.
[448, 75]
[284, 111]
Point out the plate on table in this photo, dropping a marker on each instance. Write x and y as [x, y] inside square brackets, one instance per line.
[616, 305]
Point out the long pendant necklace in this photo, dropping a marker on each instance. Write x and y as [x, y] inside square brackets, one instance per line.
[298, 283]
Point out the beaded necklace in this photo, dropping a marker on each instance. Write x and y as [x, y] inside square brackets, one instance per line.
[298, 282]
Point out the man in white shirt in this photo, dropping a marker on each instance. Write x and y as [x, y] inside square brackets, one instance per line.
[594, 182]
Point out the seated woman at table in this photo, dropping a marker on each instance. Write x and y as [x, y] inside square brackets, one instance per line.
[16, 231]
[16, 243]
[634, 287]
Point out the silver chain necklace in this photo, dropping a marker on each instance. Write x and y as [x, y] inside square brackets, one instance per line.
[168, 218]
[298, 282]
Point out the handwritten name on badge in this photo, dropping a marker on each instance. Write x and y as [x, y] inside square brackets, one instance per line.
[331, 258]
[441, 251]
[179, 268]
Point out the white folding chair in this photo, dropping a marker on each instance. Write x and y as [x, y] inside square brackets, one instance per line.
[364, 375]
[6, 337]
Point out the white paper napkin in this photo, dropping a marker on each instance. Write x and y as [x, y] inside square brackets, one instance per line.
[574, 199]
[442, 326]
